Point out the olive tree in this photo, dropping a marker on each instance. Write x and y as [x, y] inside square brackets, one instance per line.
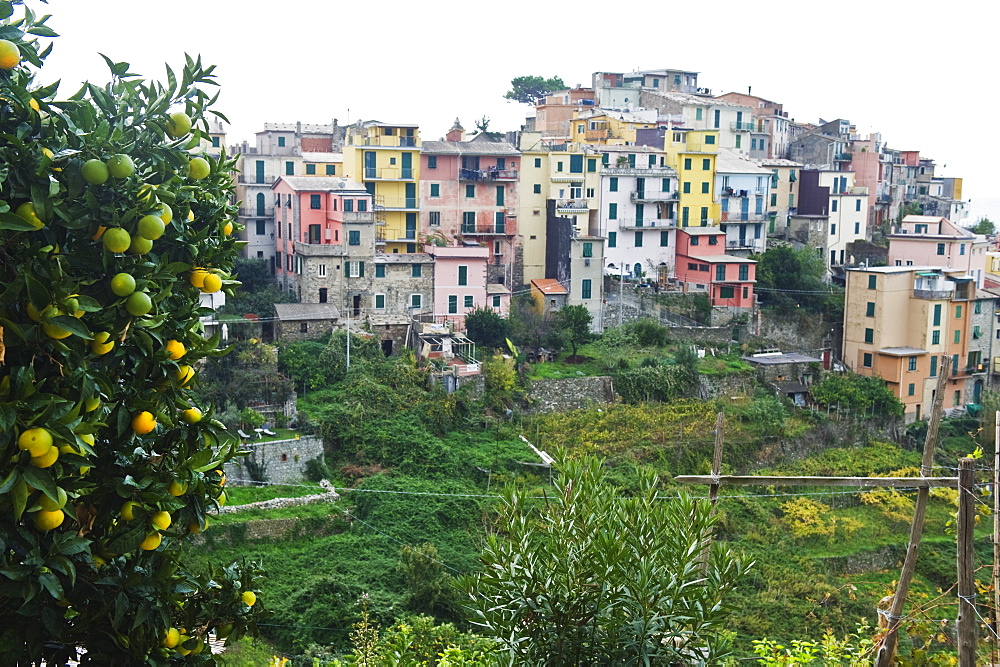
[111, 227]
[589, 576]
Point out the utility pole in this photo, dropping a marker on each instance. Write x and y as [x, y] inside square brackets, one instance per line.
[966, 528]
[996, 528]
[621, 292]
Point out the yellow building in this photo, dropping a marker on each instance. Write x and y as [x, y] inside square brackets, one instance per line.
[901, 321]
[322, 164]
[601, 127]
[693, 153]
[565, 177]
[385, 157]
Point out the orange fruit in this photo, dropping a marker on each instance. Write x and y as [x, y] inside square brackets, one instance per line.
[199, 168]
[10, 55]
[176, 488]
[128, 510]
[170, 638]
[35, 440]
[102, 344]
[191, 416]
[45, 520]
[122, 284]
[116, 240]
[165, 213]
[26, 212]
[143, 422]
[50, 505]
[138, 304]
[183, 375]
[121, 166]
[95, 172]
[151, 227]
[212, 283]
[178, 124]
[249, 598]
[152, 541]
[161, 520]
[198, 277]
[46, 459]
[139, 244]
[175, 349]
[227, 228]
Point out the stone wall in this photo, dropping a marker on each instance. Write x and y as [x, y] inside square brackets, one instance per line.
[798, 331]
[713, 335]
[281, 461]
[726, 386]
[570, 394]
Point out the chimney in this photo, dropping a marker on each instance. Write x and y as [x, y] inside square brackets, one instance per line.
[456, 133]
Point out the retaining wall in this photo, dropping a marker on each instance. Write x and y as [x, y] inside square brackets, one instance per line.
[570, 394]
[282, 461]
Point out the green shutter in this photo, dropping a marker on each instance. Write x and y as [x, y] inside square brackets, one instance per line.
[361, 269]
[347, 269]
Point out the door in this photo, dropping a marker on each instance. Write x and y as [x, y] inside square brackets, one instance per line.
[260, 171]
[411, 225]
[407, 163]
[370, 171]
[640, 187]
[744, 208]
[411, 195]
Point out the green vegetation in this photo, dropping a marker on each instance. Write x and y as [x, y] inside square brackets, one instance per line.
[789, 278]
[527, 89]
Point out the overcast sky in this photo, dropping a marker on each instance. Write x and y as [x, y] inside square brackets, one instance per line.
[920, 73]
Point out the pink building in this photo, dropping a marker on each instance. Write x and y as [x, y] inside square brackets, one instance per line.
[927, 240]
[704, 266]
[459, 282]
[468, 193]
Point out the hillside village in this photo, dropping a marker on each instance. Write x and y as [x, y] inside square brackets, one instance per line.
[642, 180]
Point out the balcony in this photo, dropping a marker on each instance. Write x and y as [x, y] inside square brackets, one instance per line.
[252, 179]
[408, 204]
[495, 229]
[379, 236]
[385, 141]
[933, 294]
[652, 196]
[563, 177]
[388, 174]
[885, 199]
[619, 170]
[747, 126]
[744, 216]
[575, 206]
[654, 224]
[596, 135]
[254, 213]
[487, 174]
[842, 157]
[358, 216]
[753, 192]
[745, 244]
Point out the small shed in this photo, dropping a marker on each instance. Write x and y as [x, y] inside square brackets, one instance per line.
[304, 321]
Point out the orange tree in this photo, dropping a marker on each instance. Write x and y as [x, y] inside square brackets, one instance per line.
[110, 230]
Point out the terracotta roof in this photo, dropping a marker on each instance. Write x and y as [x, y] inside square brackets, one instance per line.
[549, 286]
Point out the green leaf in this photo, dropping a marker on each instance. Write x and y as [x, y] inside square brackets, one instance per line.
[37, 293]
[43, 31]
[6, 9]
[15, 223]
[9, 481]
[19, 498]
[40, 479]
[72, 325]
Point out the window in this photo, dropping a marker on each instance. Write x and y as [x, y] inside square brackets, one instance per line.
[354, 269]
[744, 272]
[463, 275]
[706, 164]
[694, 240]
[435, 189]
[709, 138]
[348, 205]
[469, 301]
[717, 118]
[940, 248]
[613, 184]
[500, 193]
[935, 337]
[961, 249]
[215, 142]
[687, 163]
[664, 239]
[857, 205]
[432, 161]
[538, 163]
[713, 240]
[934, 363]
[585, 288]
[833, 229]
[380, 270]
[958, 311]
[857, 227]
[958, 335]
[612, 239]
[470, 191]
[452, 304]
[872, 282]
[704, 215]
[866, 360]
[289, 169]
[588, 249]
[496, 300]
[720, 272]
[260, 228]
[698, 113]
[415, 301]
[870, 310]
[321, 270]
[310, 170]
[739, 138]
[727, 292]
[911, 390]
[638, 239]
[912, 364]
[937, 314]
[354, 237]
[774, 199]
[704, 187]
[612, 211]
[281, 142]
[978, 308]
[303, 327]
[687, 188]
[434, 219]
[559, 166]
[591, 164]
[869, 335]
[315, 201]
[416, 270]
[331, 170]
[833, 206]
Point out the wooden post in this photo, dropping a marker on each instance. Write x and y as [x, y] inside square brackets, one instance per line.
[966, 528]
[888, 649]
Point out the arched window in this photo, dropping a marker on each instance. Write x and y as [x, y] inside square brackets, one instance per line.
[260, 204]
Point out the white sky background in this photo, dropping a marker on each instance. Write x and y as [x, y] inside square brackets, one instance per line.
[922, 73]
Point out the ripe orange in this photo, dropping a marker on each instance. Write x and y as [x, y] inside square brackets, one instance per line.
[94, 402]
[176, 488]
[175, 349]
[161, 520]
[151, 542]
[121, 166]
[227, 228]
[178, 124]
[46, 459]
[102, 344]
[53, 331]
[198, 277]
[212, 283]
[36, 440]
[151, 227]
[183, 375]
[45, 520]
[249, 598]
[26, 211]
[199, 168]
[171, 637]
[122, 284]
[128, 510]
[191, 416]
[50, 505]
[95, 172]
[116, 240]
[10, 55]
[143, 422]
[166, 213]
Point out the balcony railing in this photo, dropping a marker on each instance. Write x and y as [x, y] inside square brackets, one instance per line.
[572, 205]
[652, 196]
[408, 202]
[389, 173]
[733, 192]
[885, 199]
[743, 125]
[358, 216]
[619, 170]
[254, 213]
[253, 179]
[842, 157]
[744, 216]
[933, 294]
[495, 229]
[487, 174]
[745, 244]
[385, 141]
[655, 223]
